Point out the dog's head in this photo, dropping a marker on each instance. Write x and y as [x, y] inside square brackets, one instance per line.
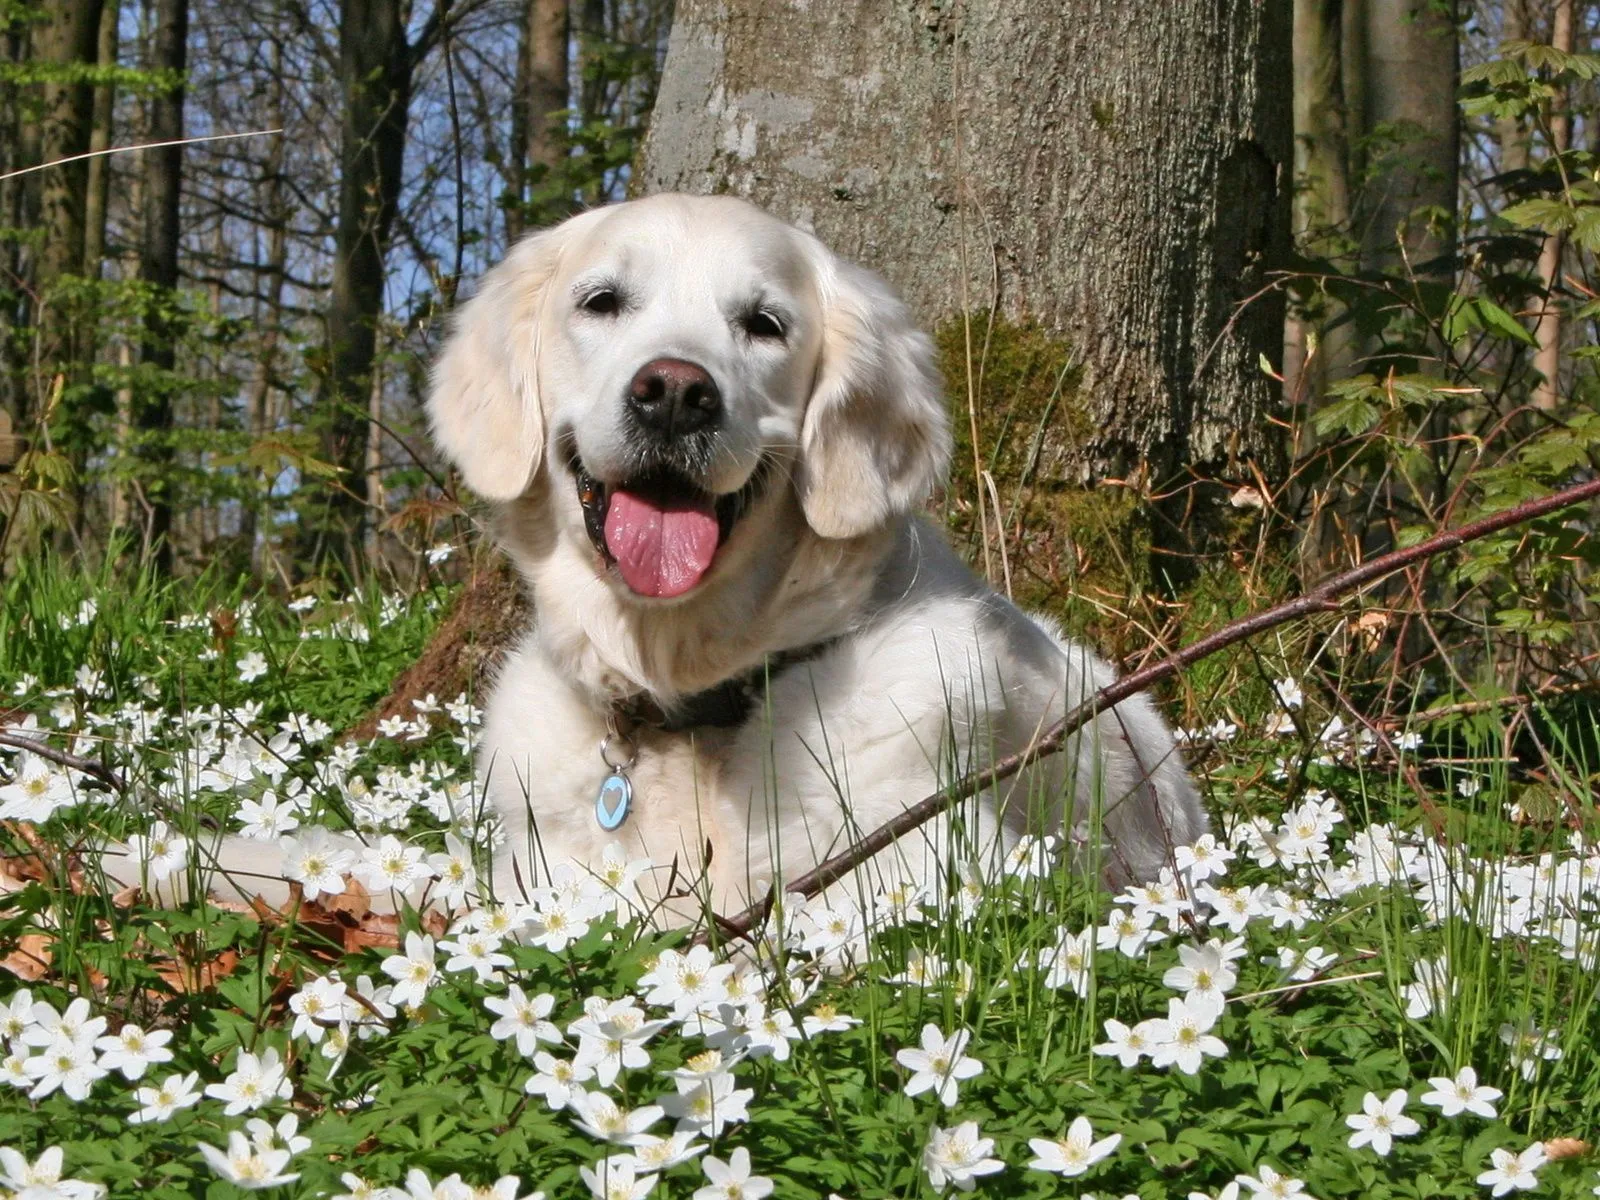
[674, 362]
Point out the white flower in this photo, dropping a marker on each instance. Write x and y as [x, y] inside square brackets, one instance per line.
[611, 1037]
[1203, 859]
[476, 951]
[1432, 990]
[41, 1179]
[267, 819]
[255, 1081]
[284, 1136]
[1184, 1037]
[710, 1106]
[420, 1187]
[1126, 1044]
[1289, 693]
[159, 1103]
[131, 1050]
[1467, 787]
[1513, 1172]
[732, 1180]
[1127, 931]
[161, 852]
[65, 1064]
[454, 870]
[686, 982]
[36, 791]
[1269, 1183]
[601, 1117]
[247, 1165]
[557, 1080]
[1067, 963]
[659, 1153]
[1204, 975]
[1381, 1121]
[958, 1156]
[391, 864]
[73, 1024]
[615, 1179]
[1529, 1045]
[1452, 1097]
[826, 1018]
[413, 972]
[1073, 1154]
[16, 1016]
[939, 1065]
[1305, 963]
[439, 552]
[524, 1018]
[317, 1007]
[317, 861]
[252, 666]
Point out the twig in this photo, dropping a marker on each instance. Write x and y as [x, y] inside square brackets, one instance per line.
[1424, 716]
[188, 141]
[1318, 599]
[61, 758]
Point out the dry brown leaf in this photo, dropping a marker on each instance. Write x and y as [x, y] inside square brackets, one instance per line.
[31, 959]
[355, 901]
[186, 978]
[1566, 1147]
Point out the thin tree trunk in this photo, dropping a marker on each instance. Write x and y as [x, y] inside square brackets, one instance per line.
[537, 145]
[66, 39]
[375, 65]
[100, 137]
[374, 464]
[1547, 330]
[269, 310]
[1410, 49]
[158, 266]
[1315, 355]
[1513, 134]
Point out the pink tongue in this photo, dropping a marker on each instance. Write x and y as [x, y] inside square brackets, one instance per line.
[661, 549]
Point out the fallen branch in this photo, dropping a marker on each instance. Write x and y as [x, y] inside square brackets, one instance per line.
[1319, 599]
[62, 759]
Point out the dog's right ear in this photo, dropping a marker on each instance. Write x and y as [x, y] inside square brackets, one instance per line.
[483, 404]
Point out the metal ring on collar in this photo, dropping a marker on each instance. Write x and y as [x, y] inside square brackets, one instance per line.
[605, 751]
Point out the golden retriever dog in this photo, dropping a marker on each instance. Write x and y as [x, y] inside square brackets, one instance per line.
[708, 441]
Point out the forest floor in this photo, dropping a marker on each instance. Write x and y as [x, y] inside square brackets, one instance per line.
[1378, 978]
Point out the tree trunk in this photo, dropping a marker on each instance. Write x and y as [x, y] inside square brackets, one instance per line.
[1114, 174]
[158, 267]
[1411, 52]
[64, 41]
[375, 64]
[537, 145]
[1315, 354]
[99, 188]
[1547, 330]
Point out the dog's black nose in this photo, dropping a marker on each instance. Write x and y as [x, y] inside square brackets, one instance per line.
[671, 397]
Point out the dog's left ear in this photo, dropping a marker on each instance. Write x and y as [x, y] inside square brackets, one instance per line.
[876, 438]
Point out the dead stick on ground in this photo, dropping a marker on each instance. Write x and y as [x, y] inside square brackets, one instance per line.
[62, 759]
[1318, 599]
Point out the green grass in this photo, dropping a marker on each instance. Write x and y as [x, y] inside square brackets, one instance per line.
[433, 1090]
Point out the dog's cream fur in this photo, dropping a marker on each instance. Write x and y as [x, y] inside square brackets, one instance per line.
[927, 673]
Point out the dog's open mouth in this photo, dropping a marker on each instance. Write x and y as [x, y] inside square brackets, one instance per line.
[661, 531]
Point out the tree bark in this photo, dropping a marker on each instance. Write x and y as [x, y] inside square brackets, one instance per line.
[100, 137]
[1547, 330]
[375, 66]
[1315, 354]
[537, 145]
[1410, 48]
[1118, 174]
[158, 267]
[64, 41]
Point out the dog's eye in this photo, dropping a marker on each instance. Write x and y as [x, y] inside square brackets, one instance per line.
[603, 303]
[762, 324]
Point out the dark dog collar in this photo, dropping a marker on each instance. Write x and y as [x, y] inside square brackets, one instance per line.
[725, 705]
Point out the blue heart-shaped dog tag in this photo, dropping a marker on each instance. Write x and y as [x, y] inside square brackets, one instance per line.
[611, 804]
